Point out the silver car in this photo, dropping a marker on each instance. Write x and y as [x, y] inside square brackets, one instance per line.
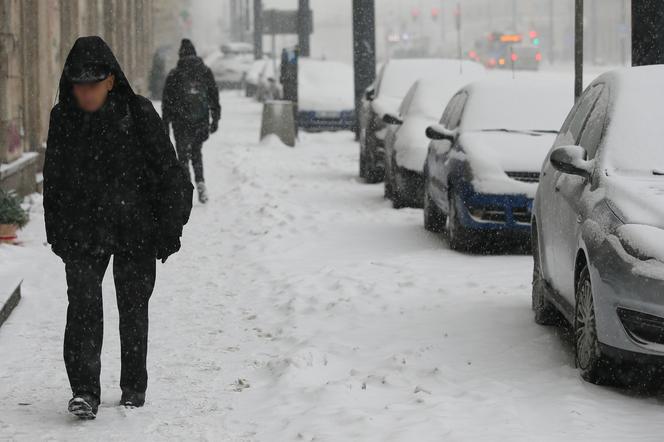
[598, 224]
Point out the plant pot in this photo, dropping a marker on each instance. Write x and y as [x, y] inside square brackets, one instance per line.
[8, 233]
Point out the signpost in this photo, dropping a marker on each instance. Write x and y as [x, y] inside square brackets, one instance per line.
[364, 51]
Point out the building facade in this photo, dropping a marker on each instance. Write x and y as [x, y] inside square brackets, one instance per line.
[35, 38]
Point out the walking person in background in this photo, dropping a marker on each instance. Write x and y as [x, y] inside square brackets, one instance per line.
[112, 187]
[191, 104]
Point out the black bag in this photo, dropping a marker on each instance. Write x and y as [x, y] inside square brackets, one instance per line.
[186, 194]
[194, 106]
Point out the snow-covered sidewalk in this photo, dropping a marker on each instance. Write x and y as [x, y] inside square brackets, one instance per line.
[302, 307]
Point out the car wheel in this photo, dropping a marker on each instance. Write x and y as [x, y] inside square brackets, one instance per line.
[457, 235]
[398, 201]
[434, 220]
[545, 312]
[594, 365]
[389, 185]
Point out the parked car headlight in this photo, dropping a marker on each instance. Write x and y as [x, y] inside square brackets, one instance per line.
[642, 242]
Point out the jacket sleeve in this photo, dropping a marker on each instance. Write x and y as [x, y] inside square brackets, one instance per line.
[54, 181]
[168, 173]
[168, 99]
[213, 95]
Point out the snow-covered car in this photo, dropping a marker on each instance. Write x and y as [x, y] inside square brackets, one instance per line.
[325, 94]
[253, 77]
[269, 87]
[406, 143]
[231, 64]
[598, 224]
[483, 165]
[394, 79]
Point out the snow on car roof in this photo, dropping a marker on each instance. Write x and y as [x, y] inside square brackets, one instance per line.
[400, 74]
[634, 136]
[326, 86]
[431, 95]
[518, 104]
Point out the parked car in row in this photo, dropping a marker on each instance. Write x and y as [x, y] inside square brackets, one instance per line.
[406, 142]
[598, 224]
[231, 64]
[252, 77]
[392, 83]
[483, 165]
[325, 93]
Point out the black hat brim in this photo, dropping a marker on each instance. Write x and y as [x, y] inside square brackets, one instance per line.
[87, 74]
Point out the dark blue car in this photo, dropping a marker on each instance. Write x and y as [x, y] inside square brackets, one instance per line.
[484, 161]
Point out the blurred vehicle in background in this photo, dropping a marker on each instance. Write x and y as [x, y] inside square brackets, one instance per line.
[253, 77]
[598, 226]
[326, 99]
[269, 87]
[406, 143]
[231, 64]
[483, 165]
[392, 83]
[508, 51]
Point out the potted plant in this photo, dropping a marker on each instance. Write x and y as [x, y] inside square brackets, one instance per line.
[12, 216]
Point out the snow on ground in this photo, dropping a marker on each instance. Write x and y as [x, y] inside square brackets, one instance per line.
[302, 307]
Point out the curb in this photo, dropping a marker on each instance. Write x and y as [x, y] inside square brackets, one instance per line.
[9, 304]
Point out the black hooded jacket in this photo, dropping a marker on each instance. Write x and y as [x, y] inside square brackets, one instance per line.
[190, 67]
[112, 182]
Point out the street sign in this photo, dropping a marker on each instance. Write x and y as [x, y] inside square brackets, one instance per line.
[276, 22]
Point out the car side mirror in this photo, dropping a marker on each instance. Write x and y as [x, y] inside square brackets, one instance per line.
[440, 132]
[370, 94]
[392, 119]
[571, 160]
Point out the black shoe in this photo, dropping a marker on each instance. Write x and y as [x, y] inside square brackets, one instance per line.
[84, 406]
[131, 399]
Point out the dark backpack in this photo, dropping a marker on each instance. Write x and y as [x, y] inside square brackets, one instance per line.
[193, 106]
[186, 189]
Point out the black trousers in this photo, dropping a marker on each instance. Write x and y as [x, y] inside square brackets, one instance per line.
[134, 278]
[190, 148]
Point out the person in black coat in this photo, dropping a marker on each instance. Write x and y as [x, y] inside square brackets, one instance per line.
[191, 104]
[112, 187]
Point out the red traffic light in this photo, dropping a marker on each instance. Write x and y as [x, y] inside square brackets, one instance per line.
[533, 35]
[415, 12]
[435, 12]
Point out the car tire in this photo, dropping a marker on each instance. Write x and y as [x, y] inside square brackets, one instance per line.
[434, 220]
[457, 235]
[595, 367]
[398, 201]
[545, 312]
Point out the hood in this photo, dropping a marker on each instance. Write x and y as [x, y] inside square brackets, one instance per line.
[92, 50]
[187, 49]
[491, 154]
[637, 199]
[411, 144]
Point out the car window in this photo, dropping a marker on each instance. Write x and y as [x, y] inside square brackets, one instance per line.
[408, 99]
[572, 127]
[455, 116]
[449, 110]
[591, 136]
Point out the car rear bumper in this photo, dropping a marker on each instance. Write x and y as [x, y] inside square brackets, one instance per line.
[497, 213]
[309, 120]
[629, 299]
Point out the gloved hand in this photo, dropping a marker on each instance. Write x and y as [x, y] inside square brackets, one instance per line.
[167, 247]
[214, 126]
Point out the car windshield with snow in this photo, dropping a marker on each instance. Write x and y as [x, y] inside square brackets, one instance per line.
[599, 224]
[394, 80]
[406, 142]
[326, 100]
[484, 161]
